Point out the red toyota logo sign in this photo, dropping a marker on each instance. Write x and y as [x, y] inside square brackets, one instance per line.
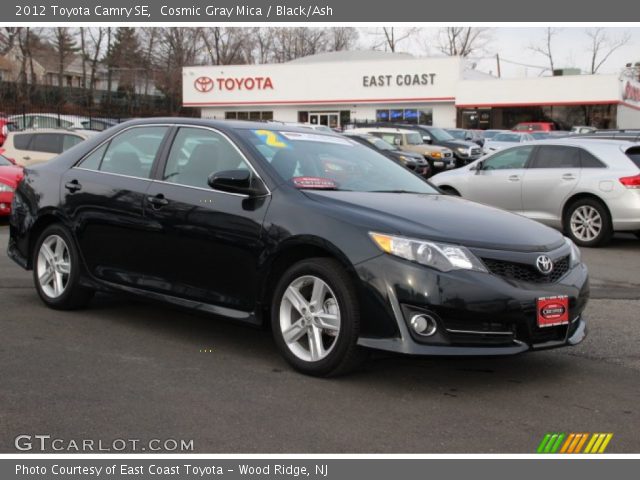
[203, 84]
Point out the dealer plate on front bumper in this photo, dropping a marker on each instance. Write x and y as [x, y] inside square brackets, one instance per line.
[553, 311]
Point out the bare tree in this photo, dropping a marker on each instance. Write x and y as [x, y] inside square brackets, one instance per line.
[93, 46]
[148, 39]
[8, 36]
[224, 45]
[545, 47]
[177, 47]
[463, 41]
[389, 38]
[601, 46]
[342, 38]
[65, 46]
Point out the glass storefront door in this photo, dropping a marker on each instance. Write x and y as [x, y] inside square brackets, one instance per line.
[329, 119]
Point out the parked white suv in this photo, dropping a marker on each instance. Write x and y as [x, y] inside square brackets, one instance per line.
[29, 147]
[587, 187]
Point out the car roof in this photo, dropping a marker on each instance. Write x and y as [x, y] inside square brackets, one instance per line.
[222, 125]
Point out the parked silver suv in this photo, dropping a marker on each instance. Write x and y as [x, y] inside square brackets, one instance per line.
[589, 188]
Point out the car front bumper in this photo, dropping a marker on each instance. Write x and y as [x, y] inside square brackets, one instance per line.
[476, 313]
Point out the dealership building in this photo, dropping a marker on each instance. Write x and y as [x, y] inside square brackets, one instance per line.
[339, 88]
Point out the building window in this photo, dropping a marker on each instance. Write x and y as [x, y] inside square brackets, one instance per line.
[248, 115]
[422, 116]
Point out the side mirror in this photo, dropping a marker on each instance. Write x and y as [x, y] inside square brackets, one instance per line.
[237, 181]
[478, 166]
[427, 139]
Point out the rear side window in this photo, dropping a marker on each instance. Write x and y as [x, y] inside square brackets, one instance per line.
[131, 153]
[587, 160]
[21, 141]
[47, 142]
[556, 156]
[70, 141]
[634, 155]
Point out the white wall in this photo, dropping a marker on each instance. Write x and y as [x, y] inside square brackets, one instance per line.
[337, 82]
[628, 117]
[542, 90]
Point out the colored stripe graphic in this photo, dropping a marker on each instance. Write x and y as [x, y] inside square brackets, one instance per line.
[574, 443]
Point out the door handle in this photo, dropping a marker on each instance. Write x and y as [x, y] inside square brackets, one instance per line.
[568, 176]
[158, 201]
[73, 186]
[514, 178]
[26, 158]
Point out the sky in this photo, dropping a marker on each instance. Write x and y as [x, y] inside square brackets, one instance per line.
[570, 49]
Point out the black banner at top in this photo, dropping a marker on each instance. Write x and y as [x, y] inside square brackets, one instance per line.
[314, 11]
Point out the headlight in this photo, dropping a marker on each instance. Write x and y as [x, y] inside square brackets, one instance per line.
[5, 188]
[436, 155]
[575, 257]
[462, 149]
[441, 256]
[402, 157]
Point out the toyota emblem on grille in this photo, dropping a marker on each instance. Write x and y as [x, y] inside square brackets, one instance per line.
[544, 264]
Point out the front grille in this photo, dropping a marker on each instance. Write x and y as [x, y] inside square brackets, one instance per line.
[475, 151]
[527, 273]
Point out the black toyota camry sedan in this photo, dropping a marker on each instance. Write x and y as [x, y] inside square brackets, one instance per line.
[336, 247]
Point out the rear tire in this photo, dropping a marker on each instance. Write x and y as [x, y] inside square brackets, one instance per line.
[315, 318]
[56, 270]
[588, 223]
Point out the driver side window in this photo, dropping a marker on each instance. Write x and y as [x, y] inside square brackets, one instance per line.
[514, 158]
[196, 153]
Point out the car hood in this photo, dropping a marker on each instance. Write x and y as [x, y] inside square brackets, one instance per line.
[11, 175]
[499, 145]
[441, 218]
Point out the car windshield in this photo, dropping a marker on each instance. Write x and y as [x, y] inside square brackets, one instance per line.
[490, 134]
[507, 137]
[327, 162]
[4, 162]
[414, 139]
[380, 144]
[459, 134]
[440, 135]
[539, 135]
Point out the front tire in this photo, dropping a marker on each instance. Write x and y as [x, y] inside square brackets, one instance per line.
[315, 318]
[56, 270]
[588, 223]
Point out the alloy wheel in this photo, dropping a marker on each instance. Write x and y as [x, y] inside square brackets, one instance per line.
[586, 223]
[54, 266]
[309, 318]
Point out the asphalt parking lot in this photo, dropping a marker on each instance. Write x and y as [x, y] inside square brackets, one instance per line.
[128, 369]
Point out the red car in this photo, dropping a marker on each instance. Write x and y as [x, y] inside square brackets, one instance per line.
[534, 127]
[10, 176]
[6, 126]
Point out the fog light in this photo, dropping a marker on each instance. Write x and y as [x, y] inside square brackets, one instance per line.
[424, 325]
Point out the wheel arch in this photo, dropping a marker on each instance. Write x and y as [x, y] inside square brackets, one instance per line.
[290, 252]
[44, 219]
[579, 196]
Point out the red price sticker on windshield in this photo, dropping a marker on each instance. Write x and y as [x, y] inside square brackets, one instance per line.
[314, 182]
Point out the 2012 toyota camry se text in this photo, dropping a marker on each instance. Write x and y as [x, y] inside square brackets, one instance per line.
[336, 247]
